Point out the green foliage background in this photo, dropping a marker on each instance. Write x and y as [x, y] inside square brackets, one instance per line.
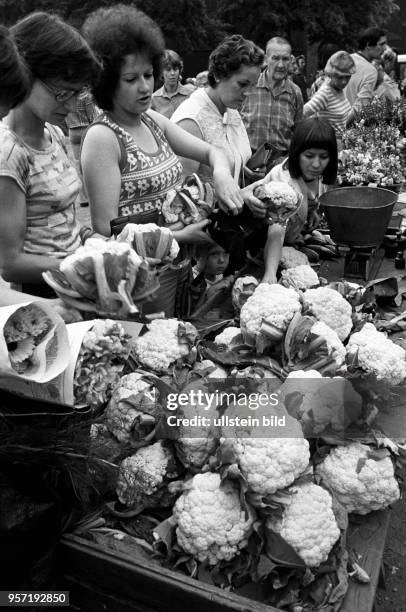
[201, 24]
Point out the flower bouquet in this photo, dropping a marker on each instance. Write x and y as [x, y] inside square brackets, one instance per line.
[33, 342]
[281, 199]
[370, 154]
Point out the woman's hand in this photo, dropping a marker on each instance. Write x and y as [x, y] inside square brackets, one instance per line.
[194, 233]
[313, 220]
[227, 191]
[256, 206]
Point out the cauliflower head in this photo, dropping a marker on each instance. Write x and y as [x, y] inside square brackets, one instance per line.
[211, 523]
[329, 306]
[360, 483]
[270, 464]
[271, 303]
[166, 341]
[143, 477]
[133, 409]
[372, 351]
[227, 335]
[300, 277]
[308, 523]
[291, 258]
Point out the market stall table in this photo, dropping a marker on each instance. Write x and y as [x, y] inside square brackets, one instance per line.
[101, 577]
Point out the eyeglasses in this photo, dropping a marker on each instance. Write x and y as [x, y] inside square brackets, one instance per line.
[61, 95]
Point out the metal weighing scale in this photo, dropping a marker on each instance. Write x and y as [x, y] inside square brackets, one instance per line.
[358, 218]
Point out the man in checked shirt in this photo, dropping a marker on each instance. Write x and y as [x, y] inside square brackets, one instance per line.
[274, 105]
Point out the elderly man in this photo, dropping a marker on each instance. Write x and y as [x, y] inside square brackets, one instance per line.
[274, 105]
[360, 89]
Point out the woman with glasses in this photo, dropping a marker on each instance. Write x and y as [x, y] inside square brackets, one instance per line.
[38, 182]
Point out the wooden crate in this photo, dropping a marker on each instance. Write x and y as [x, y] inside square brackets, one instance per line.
[114, 582]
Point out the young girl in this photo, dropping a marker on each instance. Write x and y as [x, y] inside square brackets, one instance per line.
[310, 167]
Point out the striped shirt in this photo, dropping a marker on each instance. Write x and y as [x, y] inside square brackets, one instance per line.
[331, 105]
[270, 113]
[146, 177]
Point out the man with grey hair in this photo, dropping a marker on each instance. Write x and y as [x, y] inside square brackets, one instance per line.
[274, 105]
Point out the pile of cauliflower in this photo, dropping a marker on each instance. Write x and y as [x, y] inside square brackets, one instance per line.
[225, 484]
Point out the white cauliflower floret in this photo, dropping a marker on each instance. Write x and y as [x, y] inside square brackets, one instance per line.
[227, 335]
[159, 347]
[308, 523]
[376, 354]
[334, 344]
[271, 303]
[304, 374]
[211, 523]
[300, 277]
[133, 402]
[361, 484]
[243, 287]
[142, 478]
[329, 306]
[269, 464]
[291, 258]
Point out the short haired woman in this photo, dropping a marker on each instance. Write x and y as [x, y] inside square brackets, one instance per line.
[167, 98]
[129, 154]
[310, 167]
[212, 114]
[38, 182]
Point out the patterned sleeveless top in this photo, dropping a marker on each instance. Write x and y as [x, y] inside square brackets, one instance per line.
[146, 178]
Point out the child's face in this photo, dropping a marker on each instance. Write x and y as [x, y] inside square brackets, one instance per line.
[217, 261]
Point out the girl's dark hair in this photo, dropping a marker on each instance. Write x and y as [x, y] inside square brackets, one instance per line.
[172, 59]
[54, 50]
[313, 133]
[15, 77]
[114, 33]
[228, 57]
